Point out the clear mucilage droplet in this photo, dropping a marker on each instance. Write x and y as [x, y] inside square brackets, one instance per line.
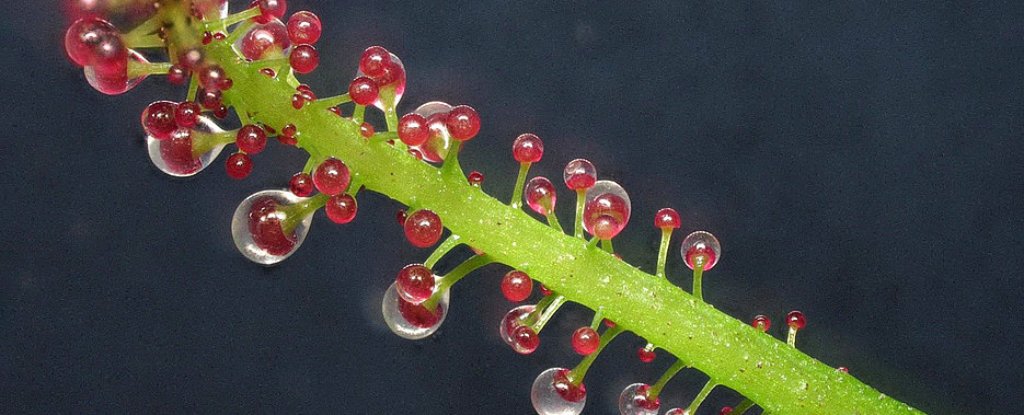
[391, 84]
[439, 140]
[553, 394]
[634, 401]
[263, 228]
[606, 209]
[412, 321]
[114, 79]
[701, 248]
[187, 151]
[265, 41]
[514, 318]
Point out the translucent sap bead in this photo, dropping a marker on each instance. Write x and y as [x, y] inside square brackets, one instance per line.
[540, 195]
[439, 141]
[606, 210]
[634, 401]
[514, 319]
[265, 41]
[701, 247]
[257, 226]
[553, 394]
[187, 151]
[113, 79]
[412, 321]
[677, 411]
[579, 174]
[391, 83]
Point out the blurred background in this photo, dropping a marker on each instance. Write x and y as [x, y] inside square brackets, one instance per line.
[859, 161]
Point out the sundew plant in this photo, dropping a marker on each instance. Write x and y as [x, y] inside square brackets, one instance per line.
[567, 254]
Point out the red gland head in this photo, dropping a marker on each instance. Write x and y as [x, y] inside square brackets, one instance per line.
[585, 341]
[463, 122]
[514, 318]
[158, 119]
[264, 41]
[374, 61]
[439, 140]
[540, 195]
[412, 129]
[528, 148]
[796, 320]
[212, 77]
[110, 74]
[606, 210]
[761, 322]
[332, 177]
[389, 73]
[667, 218]
[301, 184]
[177, 74]
[363, 90]
[251, 139]
[579, 174]
[341, 208]
[238, 165]
[304, 27]
[209, 98]
[304, 58]
[269, 9]
[187, 114]
[423, 228]
[415, 283]
[265, 226]
[525, 340]
[566, 389]
[475, 178]
[187, 150]
[646, 355]
[90, 40]
[420, 316]
[725, 410]
[701, 248]
[636, 400]
[516, 286]
[366, 130]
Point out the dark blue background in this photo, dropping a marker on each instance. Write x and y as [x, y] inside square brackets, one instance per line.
[860, 161]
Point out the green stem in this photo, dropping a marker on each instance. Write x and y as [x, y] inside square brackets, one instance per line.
[606, 244]
[666, 236]
[780, 379]
[655, 389]
[136, 70]
[193, 87]
[517, 191]
[358, 114]
[324, 103]
[294, 215]
[241, 16]
[441, 250]
[698, 272]
[239, 31]
[577, 374]
[742, 407]
[791, 337]
[704, 392]
[446, 282]
[581, 198]
[553, 221]
[547, 312]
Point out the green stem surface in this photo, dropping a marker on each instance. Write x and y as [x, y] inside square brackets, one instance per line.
[779, 378]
